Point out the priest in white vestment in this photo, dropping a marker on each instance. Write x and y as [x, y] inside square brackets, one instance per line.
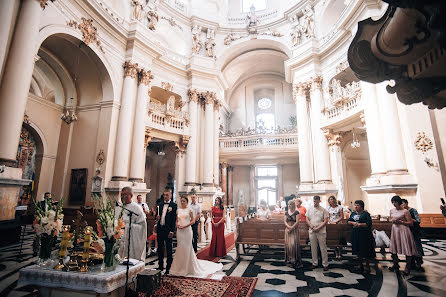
[139, 227]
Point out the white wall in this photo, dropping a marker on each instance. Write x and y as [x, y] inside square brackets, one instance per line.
[240, 181]
[291, 177]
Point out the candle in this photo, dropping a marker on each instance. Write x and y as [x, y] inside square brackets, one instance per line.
[87, 238]
[64, 241]
[158, 210]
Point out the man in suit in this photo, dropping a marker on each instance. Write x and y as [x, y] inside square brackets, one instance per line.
[166, 223]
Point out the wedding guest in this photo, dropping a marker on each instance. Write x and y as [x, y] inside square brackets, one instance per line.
[363, 242]
[139, 227]
[282, 204]
[143, 205]
[317, 218]
[336, 214]
[263, 212]
[292, 244]
[401, 241]
[416, 232]
[218, 245]
[196, 211]
[302, 210]
[152, 238]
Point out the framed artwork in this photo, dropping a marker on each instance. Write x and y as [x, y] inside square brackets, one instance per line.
[200, 199]
[78, 186]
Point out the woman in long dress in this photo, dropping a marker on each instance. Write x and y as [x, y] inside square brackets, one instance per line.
[363, 243]
[185, 262]
[416, 232]
[218, 245]
[401, 241]
[292, 244]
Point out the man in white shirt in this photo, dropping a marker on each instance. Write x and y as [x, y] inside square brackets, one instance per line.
[139, 227]
[317, 218]
[196, 210]
[143, 205]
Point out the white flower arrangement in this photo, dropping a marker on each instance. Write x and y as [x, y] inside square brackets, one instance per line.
[48, 222]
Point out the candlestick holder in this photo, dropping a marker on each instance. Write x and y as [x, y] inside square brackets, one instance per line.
[63, 247]
[72, 265]
[86, 251]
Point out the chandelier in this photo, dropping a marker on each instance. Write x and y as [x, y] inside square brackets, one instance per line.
[68, 117]
[355, 142]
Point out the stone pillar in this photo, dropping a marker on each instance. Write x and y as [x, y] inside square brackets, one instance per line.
[125, 125]
[373, 128]
[138, 155]
[14, 90]
[252, 186]
[395, 159]
[208, 154]
[224, 181]
[334, 141]
[216, 143]
[280, 180]
[191, 155]
[180, 163]
[230, 192]
[17, 78]
[8, 15]
[304, 134]
[320, 146]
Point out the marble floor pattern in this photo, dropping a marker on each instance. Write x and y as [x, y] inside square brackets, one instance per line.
[276, 279]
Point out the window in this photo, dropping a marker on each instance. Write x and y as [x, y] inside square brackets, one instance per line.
[258, 4]
[265, 121]
[266, 184]
[264, 103]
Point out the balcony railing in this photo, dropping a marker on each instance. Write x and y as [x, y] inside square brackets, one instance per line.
[262, 141]
[344, 101]
[169, 119]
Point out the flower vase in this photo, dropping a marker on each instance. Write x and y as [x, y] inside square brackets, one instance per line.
[110, 251]
[46, 245]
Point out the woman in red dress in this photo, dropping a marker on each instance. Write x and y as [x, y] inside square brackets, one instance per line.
[218, 245]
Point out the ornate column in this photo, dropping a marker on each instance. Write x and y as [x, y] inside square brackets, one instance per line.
[138, 160]
[230, 192]
[395, 159]
[8, 15]
[280, 180]
[224, 181]
[216, 142]
[320, 146]
[17, 78]
[125, 125]
[373, 128]
[191, 155]
[303, 134]
[208, 154]
[252, 186]
[334, 141]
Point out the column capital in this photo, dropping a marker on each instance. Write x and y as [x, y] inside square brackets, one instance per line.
[209, 97]
[316, 82]
[193, 95]
[181, 146]
[44, 3]
[223, 165]
[131, 69]
[147, 137]
[300, 89]
[144, 77]
[334, 139]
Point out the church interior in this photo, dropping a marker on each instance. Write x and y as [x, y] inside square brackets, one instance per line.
[258, 102]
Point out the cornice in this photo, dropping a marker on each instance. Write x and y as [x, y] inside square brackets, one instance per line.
[45, 102]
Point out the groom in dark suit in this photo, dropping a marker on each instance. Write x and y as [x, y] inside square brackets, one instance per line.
[166, 224]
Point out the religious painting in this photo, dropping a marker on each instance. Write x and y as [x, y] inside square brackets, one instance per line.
[78, 186]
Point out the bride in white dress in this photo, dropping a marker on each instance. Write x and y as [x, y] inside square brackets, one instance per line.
[185, 262]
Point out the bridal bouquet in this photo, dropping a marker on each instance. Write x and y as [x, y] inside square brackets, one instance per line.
[47, 225]
[110, 229]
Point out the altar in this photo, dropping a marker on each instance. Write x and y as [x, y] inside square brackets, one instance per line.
[67, 284]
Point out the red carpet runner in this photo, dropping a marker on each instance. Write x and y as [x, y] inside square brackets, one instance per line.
[203, 254]
[229, 286]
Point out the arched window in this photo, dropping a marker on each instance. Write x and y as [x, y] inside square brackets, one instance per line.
[265, 119]
[258, 4]
[266, 184]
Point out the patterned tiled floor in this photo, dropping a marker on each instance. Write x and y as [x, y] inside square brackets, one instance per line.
[276, 279]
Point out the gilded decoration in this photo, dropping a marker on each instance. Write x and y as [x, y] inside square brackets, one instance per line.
[423, 143]
[44, 3]
[334, 139]
[167, 86]
[316, 82]
[89, 32]
[193, 95]
[100, 158]
[181, 146]
[147, 137]
[209, 97]
[131, 69]
[144, 77]
[300, 89]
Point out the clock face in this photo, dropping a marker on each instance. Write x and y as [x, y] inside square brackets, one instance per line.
[264, 103]
[97, 183]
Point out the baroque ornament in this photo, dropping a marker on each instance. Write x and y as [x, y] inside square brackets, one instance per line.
[167, 86]
[131, 69]
[423, 143]
[89, 32]
[145, 76]
[44, 3]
